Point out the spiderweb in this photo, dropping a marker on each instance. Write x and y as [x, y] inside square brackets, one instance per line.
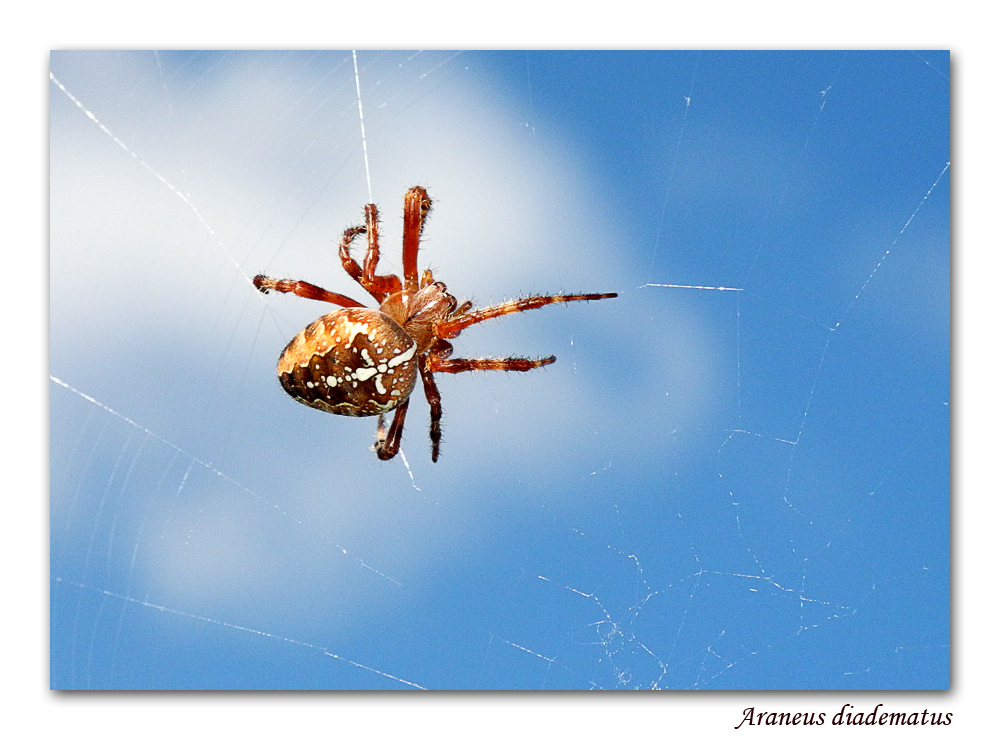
[735, 476]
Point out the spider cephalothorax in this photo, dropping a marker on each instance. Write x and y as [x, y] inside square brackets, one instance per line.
[359, 361]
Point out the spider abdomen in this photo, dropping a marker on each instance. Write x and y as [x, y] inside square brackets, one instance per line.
[352, 362]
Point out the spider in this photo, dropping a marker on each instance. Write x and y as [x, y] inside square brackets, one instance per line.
[359, 361]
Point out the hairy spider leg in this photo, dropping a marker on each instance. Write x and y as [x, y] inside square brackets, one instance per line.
[371, 256]
[416, 207]
[437, 361]
[433, 397]
[380, 286]
[351, 267]
[511, 364]
[305, 290]
[387, 445]
[453, 326]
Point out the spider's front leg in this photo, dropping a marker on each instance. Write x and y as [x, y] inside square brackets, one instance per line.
[416, 207]
[387, 445]
[378, 286]
[351, 266]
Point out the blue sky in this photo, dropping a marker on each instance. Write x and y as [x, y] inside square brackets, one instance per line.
[739, 489]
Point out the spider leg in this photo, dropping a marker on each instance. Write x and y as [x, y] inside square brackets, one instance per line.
[433, 397]
[516, 364]
[379, 286]
[351, 267]
[305, 290]
[416, 206]
[452, 326]
[387, 445]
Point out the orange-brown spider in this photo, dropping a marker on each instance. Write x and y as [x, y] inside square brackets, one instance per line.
[359, 361]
